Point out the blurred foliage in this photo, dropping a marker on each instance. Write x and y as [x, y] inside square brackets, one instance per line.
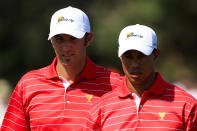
[24, 28]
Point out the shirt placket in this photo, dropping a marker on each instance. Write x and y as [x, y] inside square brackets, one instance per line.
[141, 104]
[66, 85]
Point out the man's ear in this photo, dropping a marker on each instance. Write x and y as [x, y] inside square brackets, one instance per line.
[89, 38]
[156, 53]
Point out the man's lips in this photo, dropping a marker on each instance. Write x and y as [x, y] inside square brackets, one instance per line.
[67, 55]
[135, 74]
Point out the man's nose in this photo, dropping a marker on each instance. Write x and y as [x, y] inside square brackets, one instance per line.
[135, 63]
[67, 45]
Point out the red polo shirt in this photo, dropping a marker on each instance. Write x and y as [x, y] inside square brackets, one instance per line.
[41, 103]
[163, 107]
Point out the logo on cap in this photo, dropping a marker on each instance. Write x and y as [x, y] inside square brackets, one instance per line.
[131, 34]
[60, 19]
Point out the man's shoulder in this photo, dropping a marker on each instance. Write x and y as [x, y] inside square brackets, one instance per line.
[33, 75]
[36, 73]
[112, 77]
[179, 94]
[107, 99]
[100, 70]
[185, 94]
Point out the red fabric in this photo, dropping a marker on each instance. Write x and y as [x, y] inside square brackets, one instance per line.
[162, 107]
[40, 102]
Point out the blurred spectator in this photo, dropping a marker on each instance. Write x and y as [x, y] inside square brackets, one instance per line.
[5, 91]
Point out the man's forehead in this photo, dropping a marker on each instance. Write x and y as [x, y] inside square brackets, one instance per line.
[133, 52]
[63, 36]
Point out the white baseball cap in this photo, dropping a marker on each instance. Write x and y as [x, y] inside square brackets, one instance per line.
[71, 21]
[137, 37]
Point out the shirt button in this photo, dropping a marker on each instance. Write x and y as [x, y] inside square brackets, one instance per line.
[141, 106]
[67, 101]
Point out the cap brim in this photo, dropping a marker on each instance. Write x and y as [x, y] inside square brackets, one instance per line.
[78, 34]
[144, 48]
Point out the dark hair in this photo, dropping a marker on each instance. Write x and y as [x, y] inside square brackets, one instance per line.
[86, 39]
[154, 49]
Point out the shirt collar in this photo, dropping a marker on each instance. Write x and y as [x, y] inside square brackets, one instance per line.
[51, 70]
[123, 89]
[157, 88]
[88, 72]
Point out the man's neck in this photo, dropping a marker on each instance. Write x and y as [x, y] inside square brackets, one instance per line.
[69, 73]
[140, 88]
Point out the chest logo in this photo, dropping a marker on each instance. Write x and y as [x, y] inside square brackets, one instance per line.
[162, 115]
[89, 97]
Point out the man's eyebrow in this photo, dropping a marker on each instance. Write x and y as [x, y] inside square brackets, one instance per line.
[58, 36]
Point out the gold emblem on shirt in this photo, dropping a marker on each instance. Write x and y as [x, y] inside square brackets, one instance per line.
[162, 115]
[89, 97]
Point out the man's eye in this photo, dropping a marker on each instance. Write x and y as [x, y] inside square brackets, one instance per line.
[59, 38]
[128, 56]
[73, 38]
[141, 56]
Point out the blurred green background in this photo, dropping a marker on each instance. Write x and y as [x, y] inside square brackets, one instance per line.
[24, 29]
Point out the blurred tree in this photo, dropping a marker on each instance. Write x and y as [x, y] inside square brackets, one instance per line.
[24, 28]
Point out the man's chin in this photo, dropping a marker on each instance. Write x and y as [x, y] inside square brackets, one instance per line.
[135, 79]
[67, 63]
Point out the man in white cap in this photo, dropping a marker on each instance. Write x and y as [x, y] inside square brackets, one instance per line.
[145, 101]
[58, 97]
